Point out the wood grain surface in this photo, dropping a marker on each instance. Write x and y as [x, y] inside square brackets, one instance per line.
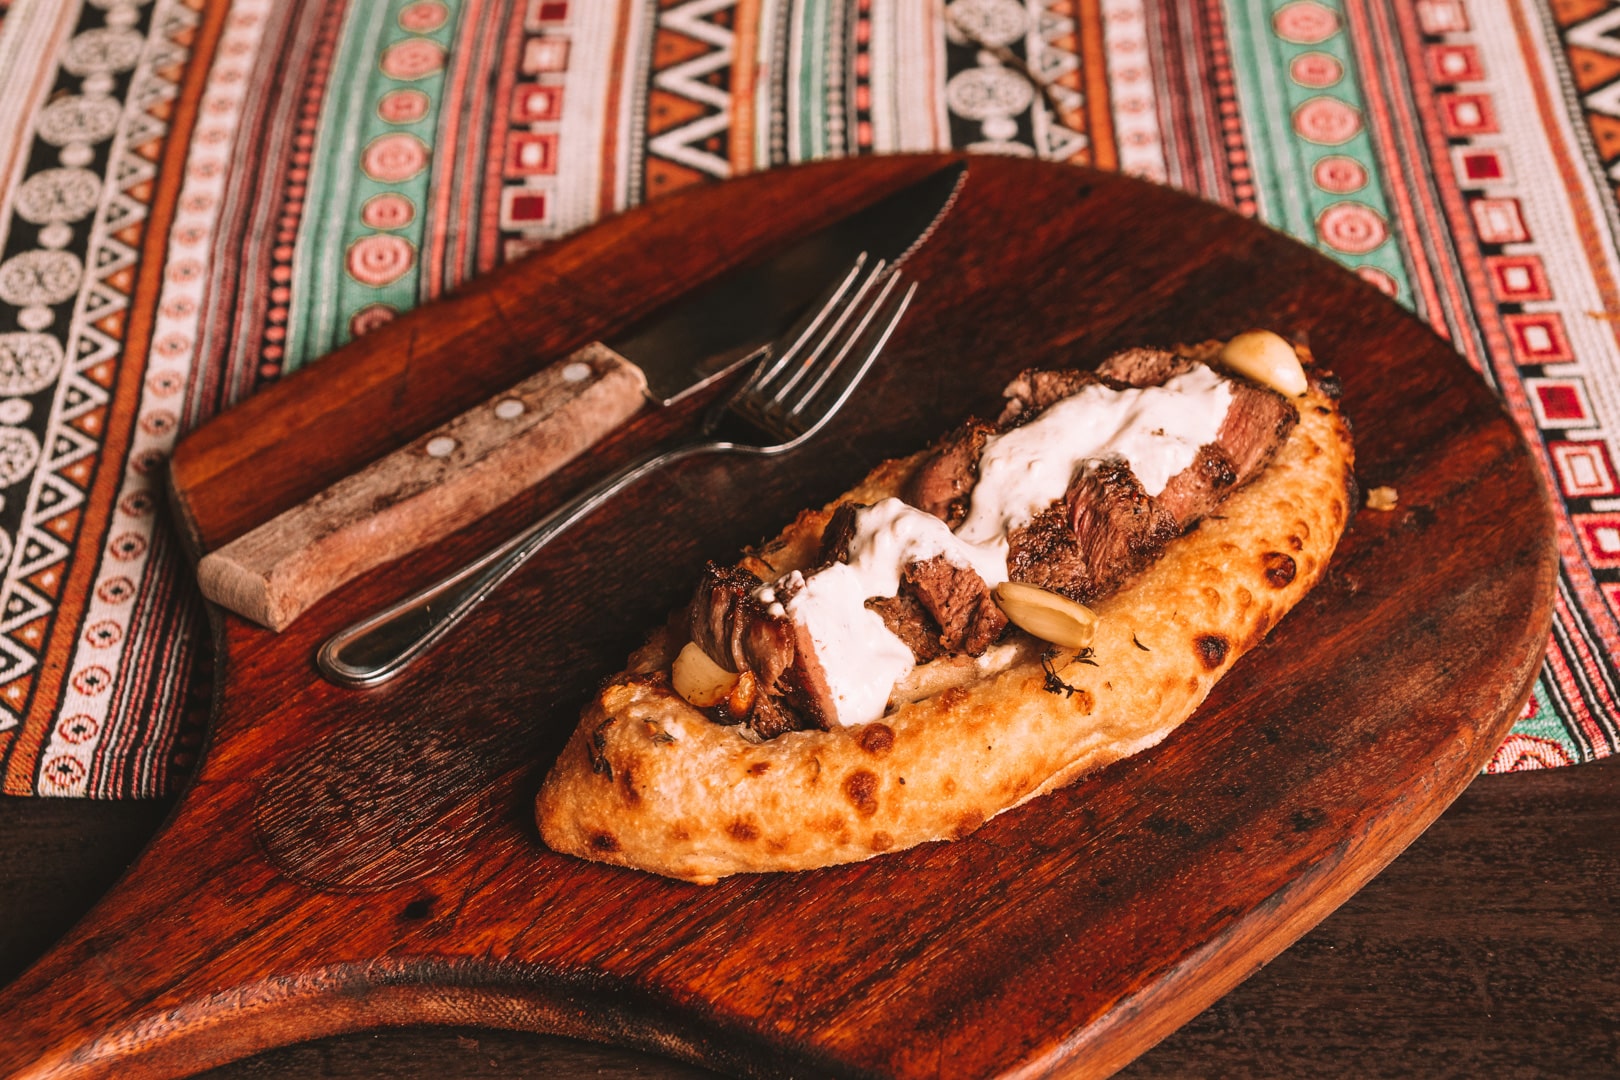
[346, 860]
[1487, 949]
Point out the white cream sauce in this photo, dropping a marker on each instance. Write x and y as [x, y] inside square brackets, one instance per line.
[1157, 429]
[862, 658]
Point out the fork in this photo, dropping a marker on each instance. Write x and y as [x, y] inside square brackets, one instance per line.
[797, 385]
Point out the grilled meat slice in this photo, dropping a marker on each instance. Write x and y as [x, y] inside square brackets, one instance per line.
[839, 533]
[1258, 422]
[771, 716]
[941, 608]
[1199, 488]
[909, 621]
[737, 631]
[968, 617]
[1035, 389]
[1103, 532]
[1111, 529]
[1144, 367]
[943, 482]
[740, 634]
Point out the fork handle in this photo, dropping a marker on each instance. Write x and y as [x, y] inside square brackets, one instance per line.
[378, 648]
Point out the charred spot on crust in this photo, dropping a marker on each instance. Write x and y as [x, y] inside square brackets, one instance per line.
[1279, 569]
[1326, 382]
[877, 739]
[860, 788]
[742, 830]
[605, 842]
[759, 768]
[882, 841]
[597, 749]
[1212, 650]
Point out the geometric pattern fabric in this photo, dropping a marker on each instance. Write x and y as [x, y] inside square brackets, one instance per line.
[199, 196]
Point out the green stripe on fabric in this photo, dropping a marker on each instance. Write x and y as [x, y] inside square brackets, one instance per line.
[357, 251]
[1316, 175]
[811, 38]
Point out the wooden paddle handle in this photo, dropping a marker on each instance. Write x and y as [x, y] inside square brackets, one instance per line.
[422, 492]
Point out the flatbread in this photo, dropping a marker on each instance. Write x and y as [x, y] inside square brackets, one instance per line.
[648, 781]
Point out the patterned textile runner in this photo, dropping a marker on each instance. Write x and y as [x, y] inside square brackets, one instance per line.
[197, 196]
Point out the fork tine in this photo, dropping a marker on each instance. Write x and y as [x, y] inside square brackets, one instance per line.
[848, 305]
[808, 326]
[852, 339]
[892, 310]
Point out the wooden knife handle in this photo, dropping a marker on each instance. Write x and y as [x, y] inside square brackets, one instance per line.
[426, 490]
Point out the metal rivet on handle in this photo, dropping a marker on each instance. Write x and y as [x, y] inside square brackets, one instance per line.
[441, 446]
[576, 372]
[510, 409]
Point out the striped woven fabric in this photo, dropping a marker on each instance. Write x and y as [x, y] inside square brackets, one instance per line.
[197, 196]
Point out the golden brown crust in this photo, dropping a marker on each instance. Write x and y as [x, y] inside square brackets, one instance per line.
[648, 781]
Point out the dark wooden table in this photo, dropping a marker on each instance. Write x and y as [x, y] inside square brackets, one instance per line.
[1490, 948]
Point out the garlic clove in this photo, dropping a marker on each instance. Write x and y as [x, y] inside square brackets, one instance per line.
[1047, 615]
[700, 680]
[1267, 358]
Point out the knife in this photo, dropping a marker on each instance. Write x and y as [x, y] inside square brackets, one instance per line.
[464, 469]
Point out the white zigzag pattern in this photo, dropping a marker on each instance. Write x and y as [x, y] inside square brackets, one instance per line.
[1597, 33]
[686, 79]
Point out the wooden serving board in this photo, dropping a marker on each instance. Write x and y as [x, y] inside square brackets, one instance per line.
[346, 859]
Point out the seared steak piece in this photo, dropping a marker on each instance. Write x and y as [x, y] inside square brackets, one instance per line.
[770, 717]
[840, 531]
[1035, 389]
[1144, 367]
[1112, 529]
[942, 484]
[1105, 531]
[740, 634]
[909, 621]
[968, 617]
[1195, 490]
[804, 687]
[940, 608]
[1258, 422]
[737, 631]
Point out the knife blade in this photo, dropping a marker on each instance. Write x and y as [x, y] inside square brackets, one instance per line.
[462, 470]
[706, 334]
